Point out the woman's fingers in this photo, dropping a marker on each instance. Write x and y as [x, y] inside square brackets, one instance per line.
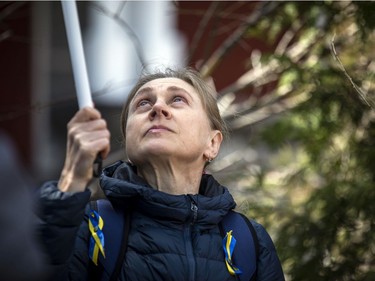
[88, 136]
[85, 114]
[88, 131]
[90, 143]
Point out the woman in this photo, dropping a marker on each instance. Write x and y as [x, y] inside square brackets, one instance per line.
[172, 129]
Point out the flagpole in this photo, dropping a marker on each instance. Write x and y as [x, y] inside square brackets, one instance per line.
[77, 56]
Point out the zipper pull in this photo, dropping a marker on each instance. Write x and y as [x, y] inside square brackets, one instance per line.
[194, 209]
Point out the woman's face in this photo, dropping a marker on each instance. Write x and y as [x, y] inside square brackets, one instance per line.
[167, 121]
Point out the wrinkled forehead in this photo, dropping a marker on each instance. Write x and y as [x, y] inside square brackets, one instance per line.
[165, 84]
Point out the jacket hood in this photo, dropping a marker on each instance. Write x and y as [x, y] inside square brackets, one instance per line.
[125, 189]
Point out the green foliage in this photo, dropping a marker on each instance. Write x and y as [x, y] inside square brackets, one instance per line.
[364, 16]
[329, 235]
[316, 193]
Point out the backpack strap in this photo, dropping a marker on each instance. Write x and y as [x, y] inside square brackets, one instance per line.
[123, 248]
[116, 232]
[245, 254]
[94, 271]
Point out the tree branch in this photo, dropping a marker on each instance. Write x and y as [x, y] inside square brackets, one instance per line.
[264, 9]
[201, 27]
[362, 95]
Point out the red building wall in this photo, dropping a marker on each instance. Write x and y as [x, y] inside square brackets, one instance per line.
[227, 17]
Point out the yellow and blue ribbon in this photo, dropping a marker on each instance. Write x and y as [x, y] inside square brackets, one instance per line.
[96, 224]
[229, 242]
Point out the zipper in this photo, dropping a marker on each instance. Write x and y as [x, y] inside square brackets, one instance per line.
[188, 241]
[189, 252]
[194, 209]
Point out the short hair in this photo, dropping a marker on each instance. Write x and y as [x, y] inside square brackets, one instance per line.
[207, 94]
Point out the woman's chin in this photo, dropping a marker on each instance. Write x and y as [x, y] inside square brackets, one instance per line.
[155, 149]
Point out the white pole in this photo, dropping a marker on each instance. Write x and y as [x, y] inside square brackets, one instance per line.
[77, 56]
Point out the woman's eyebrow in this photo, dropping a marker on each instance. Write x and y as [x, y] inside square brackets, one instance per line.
[175, 88]
[148, 90]
[145, 90]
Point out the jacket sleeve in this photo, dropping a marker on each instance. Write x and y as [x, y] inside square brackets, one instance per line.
[64, 232]
[269, 266]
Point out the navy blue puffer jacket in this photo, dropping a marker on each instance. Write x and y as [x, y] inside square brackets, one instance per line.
[172, 237]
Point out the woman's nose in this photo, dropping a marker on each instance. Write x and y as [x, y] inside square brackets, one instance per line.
[160, 109]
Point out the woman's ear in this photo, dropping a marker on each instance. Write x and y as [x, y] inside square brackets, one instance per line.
[216, 137]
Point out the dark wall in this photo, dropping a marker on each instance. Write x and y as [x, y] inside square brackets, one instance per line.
[15, 42]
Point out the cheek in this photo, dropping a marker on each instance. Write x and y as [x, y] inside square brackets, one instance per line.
[130, 141]
[196, 130]
[130, 131]
[201, 124]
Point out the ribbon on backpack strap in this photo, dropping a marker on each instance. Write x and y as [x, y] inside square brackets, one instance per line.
[96, 224]
[229, 242]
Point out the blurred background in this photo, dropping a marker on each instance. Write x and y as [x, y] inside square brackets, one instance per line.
[295, 83]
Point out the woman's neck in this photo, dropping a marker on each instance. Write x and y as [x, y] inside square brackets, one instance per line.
[172, 179]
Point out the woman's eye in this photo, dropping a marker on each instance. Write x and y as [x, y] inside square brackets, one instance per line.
[143, 103]
[178, 99]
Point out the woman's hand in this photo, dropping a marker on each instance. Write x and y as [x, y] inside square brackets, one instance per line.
[87, 137]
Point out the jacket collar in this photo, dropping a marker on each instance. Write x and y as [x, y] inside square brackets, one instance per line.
[123, 187]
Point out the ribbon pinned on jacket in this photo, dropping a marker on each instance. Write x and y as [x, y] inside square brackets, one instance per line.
[96, 224]
[229, 242]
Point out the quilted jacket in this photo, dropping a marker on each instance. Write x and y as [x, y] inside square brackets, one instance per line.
[172, 237]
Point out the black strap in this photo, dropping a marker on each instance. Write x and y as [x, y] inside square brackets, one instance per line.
[107, 212]
[124, 246]
[246, 236]
[94, 271]
[223, 233]
[256, 242]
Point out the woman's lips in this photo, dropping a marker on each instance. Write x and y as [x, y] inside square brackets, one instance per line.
[158, 129]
